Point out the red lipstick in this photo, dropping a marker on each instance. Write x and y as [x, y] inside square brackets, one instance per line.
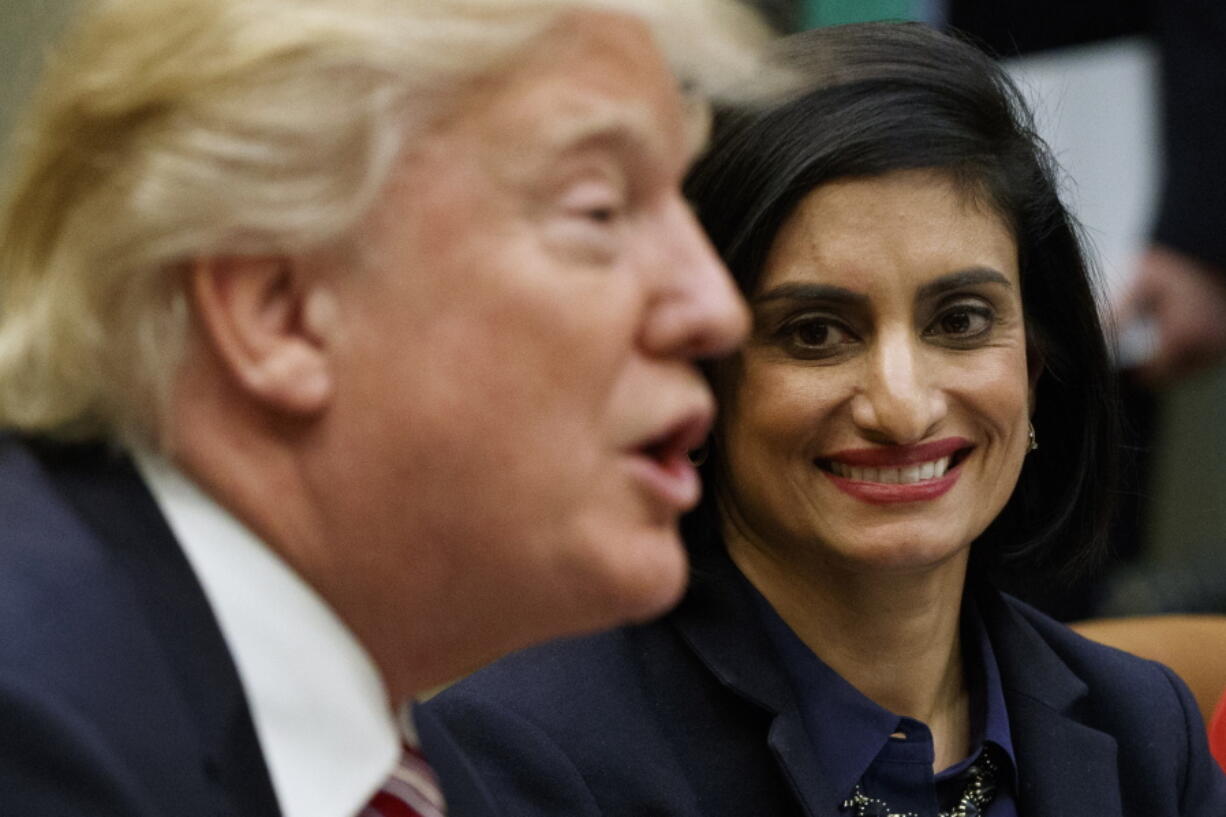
[894, 456]
[846, 469]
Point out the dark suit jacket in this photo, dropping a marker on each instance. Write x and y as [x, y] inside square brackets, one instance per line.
[692, 715]
[118, 695]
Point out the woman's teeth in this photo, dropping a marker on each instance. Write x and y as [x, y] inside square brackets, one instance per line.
[904, 475]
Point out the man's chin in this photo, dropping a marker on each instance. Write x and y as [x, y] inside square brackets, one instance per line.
[618, 577]
[640, 582]
[651, 577]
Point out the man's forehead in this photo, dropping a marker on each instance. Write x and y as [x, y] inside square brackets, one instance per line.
[632, 123]
[609, 97]
[581, 86]
[635, 135]
[613, 61]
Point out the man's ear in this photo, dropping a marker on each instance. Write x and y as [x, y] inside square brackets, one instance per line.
[254, 312]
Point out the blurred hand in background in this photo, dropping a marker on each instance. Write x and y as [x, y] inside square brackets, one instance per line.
[1184, 301]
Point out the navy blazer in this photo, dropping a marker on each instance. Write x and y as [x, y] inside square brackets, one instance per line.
[693, 715]
[118, 695]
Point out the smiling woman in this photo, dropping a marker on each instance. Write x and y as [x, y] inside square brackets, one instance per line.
[889, 345]
[922, 312]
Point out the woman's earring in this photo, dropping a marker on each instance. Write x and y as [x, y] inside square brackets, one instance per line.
[1034, 444]
[698, 457]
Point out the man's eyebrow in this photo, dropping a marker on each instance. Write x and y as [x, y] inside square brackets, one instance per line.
[810, 292]
[635, 129]
[629, 127]
[963, 278]
[624, 132]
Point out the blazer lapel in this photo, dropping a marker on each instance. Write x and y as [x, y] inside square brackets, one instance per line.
[794, 751]
[463, 790]
[111, 498]
[1067, 768]
[721, 624]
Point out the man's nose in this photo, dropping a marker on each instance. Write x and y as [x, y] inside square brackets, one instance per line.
[898, 400]
[696, 309]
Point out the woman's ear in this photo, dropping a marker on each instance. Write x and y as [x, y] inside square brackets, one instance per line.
[256, 314]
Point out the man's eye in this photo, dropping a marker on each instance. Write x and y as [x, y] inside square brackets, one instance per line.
[594, 202]
[602, 215]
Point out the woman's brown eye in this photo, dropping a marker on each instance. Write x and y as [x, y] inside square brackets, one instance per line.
[813, 334]
[956, 323]
[964, 322]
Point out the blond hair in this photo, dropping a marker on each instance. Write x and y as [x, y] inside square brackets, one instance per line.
[166, 130]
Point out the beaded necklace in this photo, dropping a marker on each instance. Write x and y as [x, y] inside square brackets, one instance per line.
[975, 798]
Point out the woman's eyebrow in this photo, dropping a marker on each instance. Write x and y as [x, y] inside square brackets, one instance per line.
[963, 278]
[810, 292]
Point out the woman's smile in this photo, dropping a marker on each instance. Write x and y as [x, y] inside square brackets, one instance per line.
[903, 473]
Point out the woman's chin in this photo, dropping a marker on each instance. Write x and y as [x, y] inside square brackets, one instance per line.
[909, 558]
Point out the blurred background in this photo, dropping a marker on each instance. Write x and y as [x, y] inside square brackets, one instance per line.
[1094, 74]
[26, 26]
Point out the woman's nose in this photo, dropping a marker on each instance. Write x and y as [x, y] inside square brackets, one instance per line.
[899, 400]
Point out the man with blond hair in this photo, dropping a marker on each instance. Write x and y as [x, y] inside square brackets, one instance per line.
[345, 345]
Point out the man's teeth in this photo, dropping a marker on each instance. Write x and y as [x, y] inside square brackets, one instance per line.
[905, 475]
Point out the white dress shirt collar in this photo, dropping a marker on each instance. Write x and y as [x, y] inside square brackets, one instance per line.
[319, 704]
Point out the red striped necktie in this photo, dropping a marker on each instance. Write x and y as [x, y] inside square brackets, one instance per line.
[411, 791]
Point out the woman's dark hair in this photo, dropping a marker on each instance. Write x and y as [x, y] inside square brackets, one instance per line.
[882, 97]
